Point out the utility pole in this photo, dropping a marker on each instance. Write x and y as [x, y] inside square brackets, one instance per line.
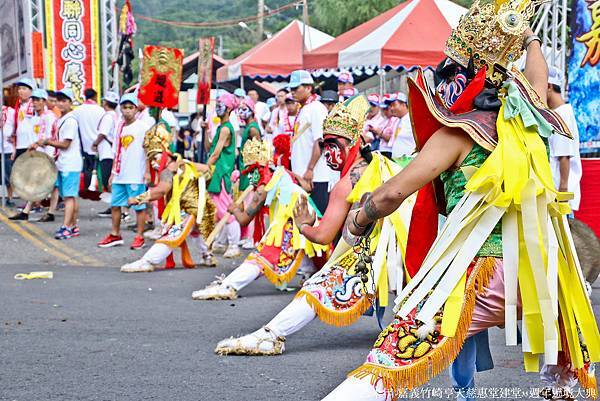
[3, 156]
[304, 25]
[261, 20]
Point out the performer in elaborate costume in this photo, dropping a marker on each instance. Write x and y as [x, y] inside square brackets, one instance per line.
[283, 250]
[485, 137]
[342, 290]
[189, 213]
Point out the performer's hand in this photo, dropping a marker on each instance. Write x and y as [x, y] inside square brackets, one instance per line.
[33, 146]
[232, 208]
[13, 155]
[110, 181]
[352, 227]
[95, 147]
[302, 214]
[132, 201]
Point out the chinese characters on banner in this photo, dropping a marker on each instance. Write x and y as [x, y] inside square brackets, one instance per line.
[206, 48]
[161, 76]
[584, 73]
[73, 43]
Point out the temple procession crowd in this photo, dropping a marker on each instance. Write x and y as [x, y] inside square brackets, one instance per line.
[345, 189]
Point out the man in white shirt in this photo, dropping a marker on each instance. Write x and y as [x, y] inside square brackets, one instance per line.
[7, 126]
[23, 129]
[385, 132]
[565, 160]
[69, 162]
[307, 162]
[103, 145]
[43, 121]
[261, 112]
[129, 168]
[88, 117]
[403, 140]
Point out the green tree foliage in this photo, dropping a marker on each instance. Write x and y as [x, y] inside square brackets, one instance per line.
[338, 16]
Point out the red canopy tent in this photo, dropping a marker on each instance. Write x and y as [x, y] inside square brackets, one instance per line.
[275, 57]
[411, 34]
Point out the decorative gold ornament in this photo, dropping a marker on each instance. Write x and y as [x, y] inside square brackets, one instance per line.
[256, 151]
[491, 33]
[347, 118]
[157, 140]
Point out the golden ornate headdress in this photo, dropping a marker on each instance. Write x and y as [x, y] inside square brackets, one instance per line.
[256, 152]
[491, 33]
[157, 140]
[347, 118]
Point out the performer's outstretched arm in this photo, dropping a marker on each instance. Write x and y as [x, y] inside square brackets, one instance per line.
[245, 216]
[333, 219]
[536, 69]
[446, 148]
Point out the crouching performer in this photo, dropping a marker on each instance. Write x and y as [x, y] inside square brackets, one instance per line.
[282, 250]
[343, 289]
[505, 250]
[189, 213]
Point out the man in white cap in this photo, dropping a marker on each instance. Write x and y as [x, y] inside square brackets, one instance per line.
[564, 153]
[23, 119]
[307, 162]
[69, 161]
[374, 121]
[403, 140]
[7, 124]
[43, 122]
[103, 145]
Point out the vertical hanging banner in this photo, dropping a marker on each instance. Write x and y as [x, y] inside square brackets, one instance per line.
[161, 76]
[73, 42]
[206, 48]
[584, 73]
[37, 54]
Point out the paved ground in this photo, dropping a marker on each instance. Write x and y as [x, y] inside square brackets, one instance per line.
[92, 333]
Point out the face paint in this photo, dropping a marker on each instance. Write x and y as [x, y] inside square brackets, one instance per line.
[254, 177]
[220, 109]
[451, 89]
[245, 113]
[334, 153]
[155, 162]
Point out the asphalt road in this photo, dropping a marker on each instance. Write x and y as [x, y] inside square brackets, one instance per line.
[93, 333]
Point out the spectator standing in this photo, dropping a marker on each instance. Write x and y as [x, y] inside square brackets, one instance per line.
[277, 124]
[307, 161]
[386, 133]
[43, 121]
[403, 139]
[565, 159]
[7, 125]
[329, 99]
[374, 121]
[291, 108]
[23, 119]
[346, 85]
[262, 114]
[88, 117]
[52, 103]
[129, 169]
[65, 139]
[104, 142]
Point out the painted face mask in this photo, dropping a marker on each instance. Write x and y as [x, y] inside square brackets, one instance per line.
[155, 162]
[254, 177]
[245, 113]
[220, 109]
[334, 153]
[454, 81]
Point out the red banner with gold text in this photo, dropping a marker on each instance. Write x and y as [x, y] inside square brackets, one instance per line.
[73, 44]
